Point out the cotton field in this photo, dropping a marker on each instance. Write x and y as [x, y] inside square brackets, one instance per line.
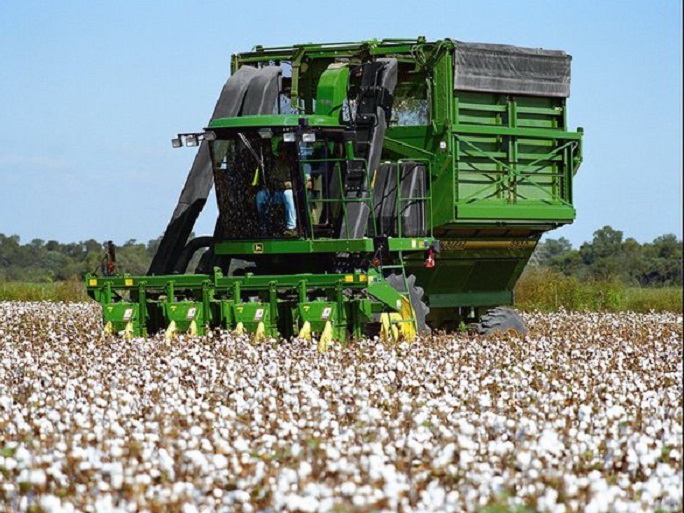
[583, 415]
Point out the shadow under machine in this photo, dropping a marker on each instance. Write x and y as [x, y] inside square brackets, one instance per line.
[390, 187]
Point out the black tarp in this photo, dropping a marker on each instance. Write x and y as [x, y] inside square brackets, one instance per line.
[248, 89]
[411, 212]
[236, 215]
[511, 69]
[359, 211]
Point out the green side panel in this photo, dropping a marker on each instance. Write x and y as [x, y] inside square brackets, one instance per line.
[120, 315]
[251, 314]
[472, 273]
[411, 142]
[317, 314]
[286, 246]
[533, 210]
[474, 299]
[183, 313]
[514, 159]
[408, 244]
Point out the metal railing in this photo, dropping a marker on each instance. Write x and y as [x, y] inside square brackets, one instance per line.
[401, 202]
[514, 174]
[425, 199]
[342, 199]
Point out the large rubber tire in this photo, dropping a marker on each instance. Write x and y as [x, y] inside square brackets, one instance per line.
[416, 294]
[502, 320]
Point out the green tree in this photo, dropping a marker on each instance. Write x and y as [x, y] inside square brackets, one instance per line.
[602, 254]
[663, 261]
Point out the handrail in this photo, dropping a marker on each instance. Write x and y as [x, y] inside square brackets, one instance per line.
[370, 200]
[427, 198]
[343, 200]
[521, 173]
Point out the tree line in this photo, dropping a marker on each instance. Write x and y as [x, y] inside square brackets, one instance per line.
[41, 261]
[608, 256]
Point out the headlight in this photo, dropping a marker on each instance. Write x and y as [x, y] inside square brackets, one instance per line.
[289, 137]
[308, 137]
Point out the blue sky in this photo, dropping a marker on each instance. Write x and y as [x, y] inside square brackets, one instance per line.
[92, 92]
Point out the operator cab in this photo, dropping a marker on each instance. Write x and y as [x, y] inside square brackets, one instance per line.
[261, 173]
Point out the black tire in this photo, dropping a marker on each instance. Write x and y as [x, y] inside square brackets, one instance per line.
[502, 320]
[416, 294]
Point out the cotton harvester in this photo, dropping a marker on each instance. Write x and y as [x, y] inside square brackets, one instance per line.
[384, 187]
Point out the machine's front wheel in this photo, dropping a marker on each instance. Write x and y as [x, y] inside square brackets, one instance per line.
[502, 320]
[416, 293]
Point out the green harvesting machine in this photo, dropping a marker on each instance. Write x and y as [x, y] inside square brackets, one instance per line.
[383, 187]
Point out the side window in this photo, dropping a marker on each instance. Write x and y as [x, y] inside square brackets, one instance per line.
[411, 104]
[283, 103]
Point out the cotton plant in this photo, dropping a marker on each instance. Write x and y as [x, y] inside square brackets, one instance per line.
[583, 414]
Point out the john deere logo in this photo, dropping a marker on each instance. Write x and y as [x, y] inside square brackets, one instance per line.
[258, 247]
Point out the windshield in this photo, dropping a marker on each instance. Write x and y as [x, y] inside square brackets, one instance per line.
[269, 188]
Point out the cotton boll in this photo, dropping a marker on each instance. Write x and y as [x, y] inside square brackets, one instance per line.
[50, 504]
[189, 507]
[550, 443]
[304, 470]
[220, 461]
[224, 424]
[523, 459]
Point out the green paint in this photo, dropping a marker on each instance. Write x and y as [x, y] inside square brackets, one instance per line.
[222, 301]
[500, 170]
[332, 91]
[291, 246]
[282, 120]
